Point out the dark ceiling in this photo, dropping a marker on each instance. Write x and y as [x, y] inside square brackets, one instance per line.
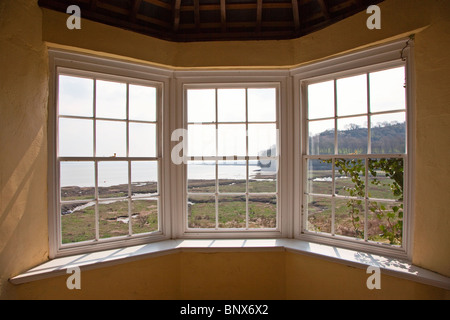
[209, 20]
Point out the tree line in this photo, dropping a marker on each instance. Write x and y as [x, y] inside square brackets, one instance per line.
[385, 138]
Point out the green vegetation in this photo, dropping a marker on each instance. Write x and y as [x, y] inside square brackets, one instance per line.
[385, 219]
[113, 220]
[385, 181]
[390, 215]
[232, 208]
[385, 138]
[232, 211]
[78, 219]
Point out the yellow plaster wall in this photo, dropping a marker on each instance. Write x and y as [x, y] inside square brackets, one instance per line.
[432, 216]
[24, 29]
[157, 278]
[311, 278]
[23, 140]
[228, 275]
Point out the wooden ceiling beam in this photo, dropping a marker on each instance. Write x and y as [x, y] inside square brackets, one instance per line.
[113, 8]
[343, 6]
[296, 15]
[238, 6]
[223, 15]
[176, 15]
[259, 5]
[93, 4]
[358, 3]
[248, 25]
[158, 3]
[135, 9]
[197, 14]
[324, 8]
[154, 21]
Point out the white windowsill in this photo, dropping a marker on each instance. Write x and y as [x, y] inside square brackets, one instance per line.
[390, 266]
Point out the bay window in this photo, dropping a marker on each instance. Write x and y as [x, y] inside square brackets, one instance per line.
[317, 153]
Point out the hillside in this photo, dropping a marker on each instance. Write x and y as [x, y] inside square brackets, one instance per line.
[388, 138]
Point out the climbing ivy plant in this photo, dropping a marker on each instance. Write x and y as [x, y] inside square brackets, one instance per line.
[390, 217]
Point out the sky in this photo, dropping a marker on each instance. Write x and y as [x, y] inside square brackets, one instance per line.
[76, 127]
[231, 113]
[387, 94]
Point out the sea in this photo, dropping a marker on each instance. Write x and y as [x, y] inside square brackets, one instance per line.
[111, 173]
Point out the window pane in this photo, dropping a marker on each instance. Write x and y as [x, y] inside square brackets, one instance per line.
[112, 179]
[349, 177]
[321, 100]
[111, 139]
[75, 96]
[201, 212]
[77, 222]
[262, 211]
[231, 105]
[201, 140]
[352, 95]
[321, 137]
[111, 100]
[76, 138]
[232, 176]
[262, 104]
[320, 177]
[228, 174]
[349, 218]
[262, 140]
[201, 176]
[142, 140]
[144, 178]
[77, 180]
[352, 135]
[388, 133]
[319, 214]
[201, 105]
[264, 180]
[231, 140]
[386, 178]
[144, 215]
[142, 103]
[387, 90]
[113, 218]
[232, 211]
[385, 222]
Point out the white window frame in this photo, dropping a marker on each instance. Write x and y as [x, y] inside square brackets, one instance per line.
[378, 58]
[238, 79]
[72, 64]
[290, 179]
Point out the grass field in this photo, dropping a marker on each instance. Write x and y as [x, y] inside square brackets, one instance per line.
[113, 220]
[231, 211]
[79, 222]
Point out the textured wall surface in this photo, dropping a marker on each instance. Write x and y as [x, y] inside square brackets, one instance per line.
[26, 30]
[23, 139]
